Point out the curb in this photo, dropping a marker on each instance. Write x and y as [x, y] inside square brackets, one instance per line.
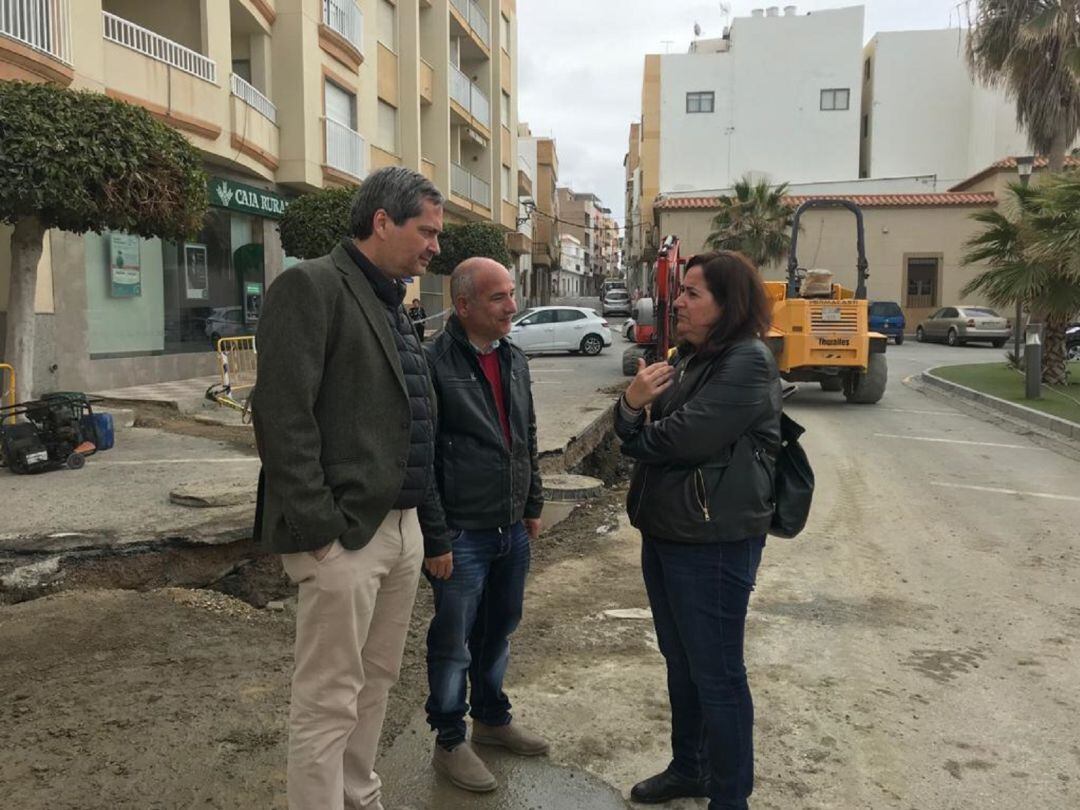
[1054, 424]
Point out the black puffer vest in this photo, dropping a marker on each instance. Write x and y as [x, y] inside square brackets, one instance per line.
[415, 369]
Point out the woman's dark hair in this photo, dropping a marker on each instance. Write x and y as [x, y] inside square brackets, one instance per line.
[736, 285]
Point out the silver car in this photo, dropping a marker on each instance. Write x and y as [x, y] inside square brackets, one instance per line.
[959, 325]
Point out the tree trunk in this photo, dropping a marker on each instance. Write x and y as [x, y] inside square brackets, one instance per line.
[1058, 147]
[26, 245]
[1055, 365]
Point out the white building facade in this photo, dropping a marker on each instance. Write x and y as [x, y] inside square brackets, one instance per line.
[778, 96]
[570, 280]
[924, 114]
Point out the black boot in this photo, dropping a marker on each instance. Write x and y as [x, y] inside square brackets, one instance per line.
[667, 786]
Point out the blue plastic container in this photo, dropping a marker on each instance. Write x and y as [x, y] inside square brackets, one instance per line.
[103, 423]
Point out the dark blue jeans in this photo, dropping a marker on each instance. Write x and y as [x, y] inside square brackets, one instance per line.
[476, 611]
[699, 595]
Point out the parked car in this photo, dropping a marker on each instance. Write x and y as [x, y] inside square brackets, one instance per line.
[226, 322]
[628, 329]
[615, 300]
[1072, 342]
[887, 318]
[960, 325]
[560, 329]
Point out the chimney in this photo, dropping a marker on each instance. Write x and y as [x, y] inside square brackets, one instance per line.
[772, 11]
[757, 12]
[789, 11]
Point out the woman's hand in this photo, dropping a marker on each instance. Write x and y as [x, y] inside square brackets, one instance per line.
[649, 383]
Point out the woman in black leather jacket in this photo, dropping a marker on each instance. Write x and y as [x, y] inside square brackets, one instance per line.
[701, 495]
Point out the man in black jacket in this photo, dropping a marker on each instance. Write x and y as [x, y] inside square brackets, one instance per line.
[344, 417]
[488, 476]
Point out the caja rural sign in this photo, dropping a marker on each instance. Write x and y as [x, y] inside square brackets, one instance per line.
[246, 199]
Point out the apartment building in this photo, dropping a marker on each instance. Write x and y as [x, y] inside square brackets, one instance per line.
[584, 217]
[280, 97]
[543, 210]
[572, 278]
[922, 113]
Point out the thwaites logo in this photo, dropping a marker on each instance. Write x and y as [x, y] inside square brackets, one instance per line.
[834, 342]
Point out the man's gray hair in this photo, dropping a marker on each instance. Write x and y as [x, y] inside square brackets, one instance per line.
[400, 192]
[462, 284]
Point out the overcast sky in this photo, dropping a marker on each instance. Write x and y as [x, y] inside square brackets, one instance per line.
[580, 65]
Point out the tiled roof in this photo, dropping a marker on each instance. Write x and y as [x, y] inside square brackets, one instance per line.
[862, 200]
[1009, 164]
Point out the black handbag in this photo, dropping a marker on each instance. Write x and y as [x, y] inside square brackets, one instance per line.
[793, 482]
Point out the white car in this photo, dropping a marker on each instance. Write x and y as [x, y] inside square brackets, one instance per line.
[615, 300]
[560, 329]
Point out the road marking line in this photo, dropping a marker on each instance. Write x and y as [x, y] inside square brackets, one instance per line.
[998, 491]
[176, 461]
[955, 441]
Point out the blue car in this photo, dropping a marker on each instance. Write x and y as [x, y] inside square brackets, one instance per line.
[887, 318]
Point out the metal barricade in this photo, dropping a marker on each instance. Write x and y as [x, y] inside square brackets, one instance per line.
[238, 360]
[7, 388]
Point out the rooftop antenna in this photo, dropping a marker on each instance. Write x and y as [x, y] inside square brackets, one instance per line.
[697, 30]
[667, 43]
[725, 11]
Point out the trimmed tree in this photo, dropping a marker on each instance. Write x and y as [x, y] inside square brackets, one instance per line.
[460, 242]
[314, 223]
[79, 162]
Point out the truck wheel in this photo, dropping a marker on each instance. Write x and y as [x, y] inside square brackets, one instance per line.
[899, 340]
[866, 388]
[832, 383]
[76, 461]
[630, 358]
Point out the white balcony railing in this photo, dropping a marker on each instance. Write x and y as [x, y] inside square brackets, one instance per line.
[470, 96]
[346, 18]
[157, 47]
[478, 21]
[466, 184]
[44, 25]
[247, 93]
[345, 149]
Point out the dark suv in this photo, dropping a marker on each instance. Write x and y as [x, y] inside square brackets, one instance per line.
[887, 318]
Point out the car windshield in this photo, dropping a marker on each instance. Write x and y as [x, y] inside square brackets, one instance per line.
[523, 314]
[885, 309]
[981, 312]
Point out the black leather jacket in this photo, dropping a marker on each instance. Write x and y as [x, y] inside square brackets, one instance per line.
[704, 471]
[482, 483]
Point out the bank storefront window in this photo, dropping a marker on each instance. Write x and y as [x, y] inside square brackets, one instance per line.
[150, 296]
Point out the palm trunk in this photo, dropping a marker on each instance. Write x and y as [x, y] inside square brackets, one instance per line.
[1058, 147]
[26, 245]
[1055, 366]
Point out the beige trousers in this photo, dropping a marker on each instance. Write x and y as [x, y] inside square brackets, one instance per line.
[352, 618]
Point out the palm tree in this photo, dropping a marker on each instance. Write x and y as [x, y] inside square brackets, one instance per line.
[1034, 257]
[755, 220]
[1031, 48]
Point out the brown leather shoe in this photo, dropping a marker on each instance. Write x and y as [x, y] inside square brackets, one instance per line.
[464, 768]
[513, 736]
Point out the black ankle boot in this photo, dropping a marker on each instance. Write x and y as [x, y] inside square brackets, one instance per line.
[667, 786]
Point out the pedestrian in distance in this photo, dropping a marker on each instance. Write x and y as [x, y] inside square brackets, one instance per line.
[418, 316]
[488, 474]
[701, 494]
[344, 418]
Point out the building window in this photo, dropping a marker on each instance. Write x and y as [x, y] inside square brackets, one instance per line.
[507, 190]
[388, 24]
[504, 112]
[922, 282]
[340, 105]
[700, 102]
[388, 128]
[835, 99]
[504, 32]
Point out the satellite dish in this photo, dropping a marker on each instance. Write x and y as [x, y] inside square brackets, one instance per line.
[697, 30]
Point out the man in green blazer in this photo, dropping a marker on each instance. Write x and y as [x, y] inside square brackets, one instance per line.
[344, 417]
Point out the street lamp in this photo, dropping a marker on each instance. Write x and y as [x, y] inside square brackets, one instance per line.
[1024, 167]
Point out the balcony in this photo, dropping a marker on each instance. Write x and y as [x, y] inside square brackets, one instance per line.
[345, 150]
[41, 26]
[254, 126]
[247, 93]
[141, 40]
[524, 181]
[474, 17]
[341, 33]
[466, 184]
[470, 98]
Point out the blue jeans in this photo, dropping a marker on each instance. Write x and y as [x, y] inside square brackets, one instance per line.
[476, 611]
[699, 595]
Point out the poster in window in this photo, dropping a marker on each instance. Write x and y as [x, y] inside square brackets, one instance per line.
[195, 274]
[125, 270]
